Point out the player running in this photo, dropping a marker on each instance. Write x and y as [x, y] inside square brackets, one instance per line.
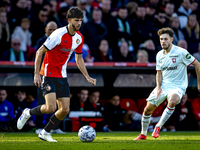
[171, 81]
[58, 48]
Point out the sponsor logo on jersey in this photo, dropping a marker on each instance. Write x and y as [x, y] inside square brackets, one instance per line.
[188, 56]
[173, 56]
[174, 60]
[77, 41]
[48, 38]
[66, 50]
[65, 41]
[170, 68]
[48, 87]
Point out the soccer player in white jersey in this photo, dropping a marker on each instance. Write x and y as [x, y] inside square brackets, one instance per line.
[171, 81]
[57, 48]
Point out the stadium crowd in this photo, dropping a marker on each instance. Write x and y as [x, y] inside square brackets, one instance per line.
[113, 31]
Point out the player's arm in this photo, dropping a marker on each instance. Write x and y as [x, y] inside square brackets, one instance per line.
[81, 65]
[158, 83]
[197, 69]
[38, 59]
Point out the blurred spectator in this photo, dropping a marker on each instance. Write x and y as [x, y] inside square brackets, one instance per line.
[120, 28]
[50, 27]
[197, 54]
[14, 53]
[192, 33]
[183, 44]
[106, 12]
[150, 48]
[82, 5]
[183, 12]
[96, 4]
[123, 54]
[182, 119]
[142, 29]
[155, 2]
[64, 3]
[6, 107]
[4, 6]
[51, 13]
[78, 103]
[19, 105]
[196, 109]
[17, 13]
[36, 7]
[142, 56]
[160, 21]
[150, 12]
[89, 6]
[118, 3]
[23, 34]
[162, 4]
[104, 54]
[169, 10]
[4, 33]
[195, 8]
[175, 25]
[61, 17]
[113, 114]
[131, 7]
[94, 31]
[37, 27]
[93, 104]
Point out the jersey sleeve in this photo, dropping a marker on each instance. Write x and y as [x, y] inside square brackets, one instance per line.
[53, 40]
[158, 68]
[187, 57]
[78, 50]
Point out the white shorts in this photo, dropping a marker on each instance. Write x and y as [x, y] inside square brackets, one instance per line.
[165, 94]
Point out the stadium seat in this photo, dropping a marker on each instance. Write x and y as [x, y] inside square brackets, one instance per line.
[128, 104]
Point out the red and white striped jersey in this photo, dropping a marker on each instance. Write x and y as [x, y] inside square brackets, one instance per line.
[60, 45]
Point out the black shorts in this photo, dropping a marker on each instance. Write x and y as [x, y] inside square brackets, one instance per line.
[59, 86]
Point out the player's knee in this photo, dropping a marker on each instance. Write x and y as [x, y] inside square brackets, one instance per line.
[65, 111]
[172, 103]
[51, 109]
[148, 111]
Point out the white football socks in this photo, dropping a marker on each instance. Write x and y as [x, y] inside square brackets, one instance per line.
[165, 116]
[145, 124]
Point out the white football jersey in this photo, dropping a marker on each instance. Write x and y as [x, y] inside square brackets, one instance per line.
[174, 67]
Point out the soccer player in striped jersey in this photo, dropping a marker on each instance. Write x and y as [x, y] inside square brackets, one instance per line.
[57, 48]
[171, 81]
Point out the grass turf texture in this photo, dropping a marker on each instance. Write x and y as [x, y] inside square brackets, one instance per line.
[104, 141]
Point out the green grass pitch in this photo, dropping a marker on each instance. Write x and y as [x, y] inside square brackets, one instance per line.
[103, 141]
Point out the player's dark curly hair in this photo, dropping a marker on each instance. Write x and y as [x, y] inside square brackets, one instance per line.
[166, 31]
[74, 12]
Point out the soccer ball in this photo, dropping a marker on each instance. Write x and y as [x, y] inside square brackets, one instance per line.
[86, 134]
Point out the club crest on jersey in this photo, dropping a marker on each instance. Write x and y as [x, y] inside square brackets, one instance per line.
[48, 87]
[77, 41]
[188, 56]
[174, 60]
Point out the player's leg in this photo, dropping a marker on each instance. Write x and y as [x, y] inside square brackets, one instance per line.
[56, 118]
[148, 110]
[173, 99]
[47, 108]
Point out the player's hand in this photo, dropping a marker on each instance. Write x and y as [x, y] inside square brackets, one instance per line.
[159, 91]
[92, 81]
[37, 80]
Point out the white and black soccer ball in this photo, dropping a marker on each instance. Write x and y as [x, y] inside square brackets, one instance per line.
[86, 133]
